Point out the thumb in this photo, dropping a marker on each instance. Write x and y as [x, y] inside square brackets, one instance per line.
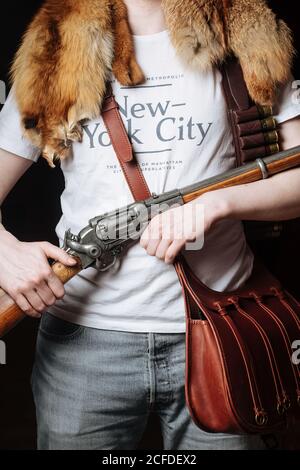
[58, 254]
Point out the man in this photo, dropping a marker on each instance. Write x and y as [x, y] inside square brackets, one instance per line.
[111, 347]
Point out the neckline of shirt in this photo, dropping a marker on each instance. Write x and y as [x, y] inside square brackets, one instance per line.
[150, 37]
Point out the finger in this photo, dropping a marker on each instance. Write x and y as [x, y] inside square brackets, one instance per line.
[174, 250]
[46, 294]
[58, 254]
[153, 231]
[144, 242]
[145, 238]
[35, 301]
[56, 286]
[151, 240]
[162, 249]
[25, 306]
[152, 247]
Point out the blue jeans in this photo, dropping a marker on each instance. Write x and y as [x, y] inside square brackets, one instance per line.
[94, 390]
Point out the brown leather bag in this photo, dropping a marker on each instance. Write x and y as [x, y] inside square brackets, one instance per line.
[239, 372]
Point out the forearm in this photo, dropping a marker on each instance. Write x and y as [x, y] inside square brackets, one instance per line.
[276, 198]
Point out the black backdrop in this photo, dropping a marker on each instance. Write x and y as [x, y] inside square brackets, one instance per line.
[31, 212]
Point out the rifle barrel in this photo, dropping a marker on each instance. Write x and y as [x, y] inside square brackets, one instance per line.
[248, 173]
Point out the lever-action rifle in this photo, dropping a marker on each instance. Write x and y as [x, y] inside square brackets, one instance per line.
[102, 241]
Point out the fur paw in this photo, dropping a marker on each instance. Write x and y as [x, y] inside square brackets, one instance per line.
[136, 74]
[56, 150]
[128, 75]
[74, 134]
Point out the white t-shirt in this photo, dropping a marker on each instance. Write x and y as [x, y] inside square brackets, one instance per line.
[178, 125]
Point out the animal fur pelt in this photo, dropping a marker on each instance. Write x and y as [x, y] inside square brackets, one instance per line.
[71, 46]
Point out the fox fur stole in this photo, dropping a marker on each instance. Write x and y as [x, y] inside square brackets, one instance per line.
[68, 51]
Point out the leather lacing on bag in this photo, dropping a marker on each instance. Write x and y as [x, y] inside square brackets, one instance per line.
[285, 336]
[261, 417]
[282, 297]
[281, 395]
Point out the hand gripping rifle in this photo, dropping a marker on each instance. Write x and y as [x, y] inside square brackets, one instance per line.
[102, 241]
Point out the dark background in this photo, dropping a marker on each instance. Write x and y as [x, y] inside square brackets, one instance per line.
[32, 211]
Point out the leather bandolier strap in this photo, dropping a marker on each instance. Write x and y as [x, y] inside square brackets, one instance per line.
[255, 135]
[254, 127]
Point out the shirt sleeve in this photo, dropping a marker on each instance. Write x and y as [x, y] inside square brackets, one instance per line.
[11, 133]
[288, 103]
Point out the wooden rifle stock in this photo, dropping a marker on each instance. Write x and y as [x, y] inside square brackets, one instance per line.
[10, 313]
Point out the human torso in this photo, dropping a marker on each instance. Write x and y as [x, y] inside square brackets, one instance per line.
[178, 126]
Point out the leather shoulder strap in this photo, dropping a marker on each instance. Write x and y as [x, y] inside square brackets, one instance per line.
[253, 127]
[234, 85]
[123, 148]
